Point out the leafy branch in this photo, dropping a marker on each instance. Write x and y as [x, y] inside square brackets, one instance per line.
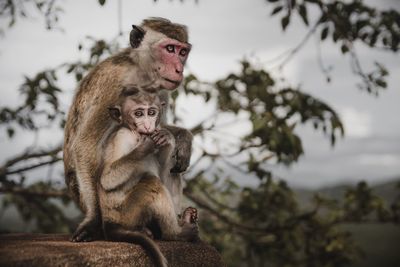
[348, 23]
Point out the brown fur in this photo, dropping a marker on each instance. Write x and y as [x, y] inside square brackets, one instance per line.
[129, 213]
[132, 196]
[88, 121]
[172, 30]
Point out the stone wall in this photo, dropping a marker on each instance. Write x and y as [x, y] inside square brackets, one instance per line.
[49, 250]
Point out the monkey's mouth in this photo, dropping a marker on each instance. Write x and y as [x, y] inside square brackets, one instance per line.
[172, 81]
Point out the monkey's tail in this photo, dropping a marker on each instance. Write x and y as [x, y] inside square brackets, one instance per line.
[151, 248]
[135, 237]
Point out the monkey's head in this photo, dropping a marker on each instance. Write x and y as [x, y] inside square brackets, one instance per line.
[138, 110]
[167, 43]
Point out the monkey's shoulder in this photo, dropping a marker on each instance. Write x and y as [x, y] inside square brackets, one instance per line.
[123, 58]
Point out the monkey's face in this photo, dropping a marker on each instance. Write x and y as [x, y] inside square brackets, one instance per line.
[142, 117]
[171, 55]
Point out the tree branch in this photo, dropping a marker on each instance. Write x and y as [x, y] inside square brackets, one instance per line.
[34, 166]
[286, 56]
[237, 226]
[27, 155]
[30, 192]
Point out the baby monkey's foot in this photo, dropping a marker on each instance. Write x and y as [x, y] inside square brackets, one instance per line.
[189, 216]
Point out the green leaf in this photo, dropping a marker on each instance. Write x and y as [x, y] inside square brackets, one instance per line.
[335, 36]
[276, 10]
[381, 83]
[303, 13]
[102, 2]
[285, 22]
[78, 76]
[10, 132]
[344, 49]
[324, 33]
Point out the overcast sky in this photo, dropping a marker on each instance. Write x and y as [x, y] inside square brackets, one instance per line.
[223, 33]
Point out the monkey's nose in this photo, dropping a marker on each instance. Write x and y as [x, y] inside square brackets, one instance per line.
[179, 68]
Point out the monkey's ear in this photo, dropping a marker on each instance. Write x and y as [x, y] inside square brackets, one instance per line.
[115, 113]
[136, 36]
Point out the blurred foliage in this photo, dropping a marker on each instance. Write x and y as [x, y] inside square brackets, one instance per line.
[40, 105]
[347, 23]
[260, 225]
[12, 10]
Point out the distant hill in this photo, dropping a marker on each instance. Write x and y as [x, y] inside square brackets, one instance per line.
[387, 191]
[380, 242]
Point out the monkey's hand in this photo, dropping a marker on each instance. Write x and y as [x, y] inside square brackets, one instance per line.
[163, 137]
[88, 230]
[146, 146]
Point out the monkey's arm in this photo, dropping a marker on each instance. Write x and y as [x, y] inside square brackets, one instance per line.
[119, 166]
[165, 141]
[183, 148]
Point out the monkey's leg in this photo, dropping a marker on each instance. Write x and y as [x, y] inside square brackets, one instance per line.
[118, 233]
[172, 181]
[182, 153]
[165, 214]
[188, 222]
[183, 148]
[150, 201]
[86, 162]
[90, 228]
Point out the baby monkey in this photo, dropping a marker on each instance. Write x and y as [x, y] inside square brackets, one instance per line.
[137, 158]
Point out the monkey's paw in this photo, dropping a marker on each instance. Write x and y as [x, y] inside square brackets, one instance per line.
[189, 216]
[162, 137]
[87, 231]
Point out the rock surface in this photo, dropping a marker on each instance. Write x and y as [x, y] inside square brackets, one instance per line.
[56, 250]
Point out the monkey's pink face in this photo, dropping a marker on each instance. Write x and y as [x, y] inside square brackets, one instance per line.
[172, 55]
[143, 118]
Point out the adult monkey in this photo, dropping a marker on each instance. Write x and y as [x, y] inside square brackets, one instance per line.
[155, 60]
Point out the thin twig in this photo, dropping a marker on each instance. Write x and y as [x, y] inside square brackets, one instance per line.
[288, 54]
[325, 69]
[120, 17]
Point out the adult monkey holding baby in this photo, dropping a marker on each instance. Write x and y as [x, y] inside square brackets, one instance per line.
[155, 61]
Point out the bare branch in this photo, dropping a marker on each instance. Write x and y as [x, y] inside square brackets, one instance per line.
[286, 56]
[34, 166]
[236, 226]
[30, 192]
[28, 155]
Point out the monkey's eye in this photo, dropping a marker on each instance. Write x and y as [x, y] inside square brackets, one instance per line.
[152, 112]
[139, 113]
[183, 52]
[170, 48]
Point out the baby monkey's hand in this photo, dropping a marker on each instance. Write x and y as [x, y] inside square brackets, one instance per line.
[162, 137]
